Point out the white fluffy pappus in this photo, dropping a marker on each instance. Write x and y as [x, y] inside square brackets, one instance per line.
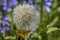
[26, 17]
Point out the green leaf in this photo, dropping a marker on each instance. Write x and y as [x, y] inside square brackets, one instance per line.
[55, 20]
[35, 36]
[54, 5]
[51, 29]
[44, 18]
[11, 37]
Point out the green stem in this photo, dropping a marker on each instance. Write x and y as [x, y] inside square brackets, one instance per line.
[44, 36]
[4, 33]
[11, 24]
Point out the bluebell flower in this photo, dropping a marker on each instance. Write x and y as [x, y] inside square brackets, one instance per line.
[6, 18]
[7, 29]
[48, 9]
[5, 21]
[5, 25]
[4, 2]
[4, 8]
[9, 9]
[1, 31]
[47, 4]
[8, 4]
[30, 2]
[13, 3]
[47, 0]
[27, 2]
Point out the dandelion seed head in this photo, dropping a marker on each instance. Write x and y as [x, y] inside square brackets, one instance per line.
[26, 17]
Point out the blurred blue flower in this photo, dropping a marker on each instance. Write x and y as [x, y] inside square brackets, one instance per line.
[7, 28]
[47, 4]
[48, 9]
[5, 25]
[9, 9]
[4, 2]
[13, 3]
[47, 0]
[1, 31]
[27, 2]
[6, 18]
[4, 8]
[30, 2]
[8, 4]
[5, 21]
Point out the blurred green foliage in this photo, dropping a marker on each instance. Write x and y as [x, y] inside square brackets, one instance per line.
[49, 27]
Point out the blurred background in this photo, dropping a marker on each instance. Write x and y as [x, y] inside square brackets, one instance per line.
[49, 26]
